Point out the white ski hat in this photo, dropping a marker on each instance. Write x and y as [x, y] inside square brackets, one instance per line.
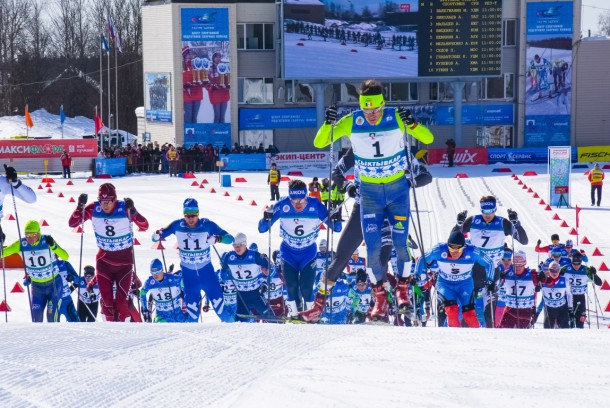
[554, 266]
[520, 258]
[240, 239]
[323, 244]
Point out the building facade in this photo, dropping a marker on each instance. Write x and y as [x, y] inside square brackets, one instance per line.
[515, 109]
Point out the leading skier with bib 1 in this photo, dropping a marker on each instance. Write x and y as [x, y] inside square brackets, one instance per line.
[377, 134]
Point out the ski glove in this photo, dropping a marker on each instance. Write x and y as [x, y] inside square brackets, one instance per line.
[2, 236]
[592, 270]
[335, 216]
[406, 116]
[461, 217]
[331, 115]
[157, 235]
[351, 190]
[27, 281]
[512, 216]
[538, 242]
[491, 286]
[11, 174]
[82, 200]
[50, 241]
[146, 316]
[268, 214]
[212, 239]
[129, 205]
[92, 297]
[69, 278]
[541, 277]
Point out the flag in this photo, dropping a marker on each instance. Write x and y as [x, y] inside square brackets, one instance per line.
[117, 41]
[110, 28]
[577, 220]
[98, 122]
[105, 44]
[28, 119]
[62, 116]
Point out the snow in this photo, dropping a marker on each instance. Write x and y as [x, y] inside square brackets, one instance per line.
[48, 125]
[238, 365]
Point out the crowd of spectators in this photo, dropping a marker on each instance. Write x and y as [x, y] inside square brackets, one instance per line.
[152, 157]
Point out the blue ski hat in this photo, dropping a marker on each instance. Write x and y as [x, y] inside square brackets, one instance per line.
[253, 247]
[190, 206]
[508, 254]
[156, 266]
[297, 193]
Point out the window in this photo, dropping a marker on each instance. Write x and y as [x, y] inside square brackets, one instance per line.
[442, 92]
[346, 93]
[255, 36]
[501, 87]
[295, 92]
[401, 92]
[255, 90]
[509, 33]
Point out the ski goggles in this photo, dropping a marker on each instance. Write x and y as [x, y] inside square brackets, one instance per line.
[456, 247]
[155, 271]
[191, 215]
[374, 111]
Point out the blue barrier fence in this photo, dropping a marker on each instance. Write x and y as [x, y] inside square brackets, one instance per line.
[113, 167]
[526, 155]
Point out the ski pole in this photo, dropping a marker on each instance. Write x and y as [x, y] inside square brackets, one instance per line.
[3, 276]
[163, 257]
[21, 246]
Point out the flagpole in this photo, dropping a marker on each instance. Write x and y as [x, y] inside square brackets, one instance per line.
[116, 90]
[101, 86]
[109, 105]
[27, 127]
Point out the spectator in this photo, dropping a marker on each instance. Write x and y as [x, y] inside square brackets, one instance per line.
[315, 189]
[66, 162]
[273, 179]
[450, 151]
[172, 160]
[596, 178]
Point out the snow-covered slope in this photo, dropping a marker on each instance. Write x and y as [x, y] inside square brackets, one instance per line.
[252, 365]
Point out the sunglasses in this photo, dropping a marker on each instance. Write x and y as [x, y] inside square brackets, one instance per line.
[372, 111]
[576, 262]
[156, 272]
[554, 270]
[191, 215]
[455, 247]
[31, 234]
[298, 200]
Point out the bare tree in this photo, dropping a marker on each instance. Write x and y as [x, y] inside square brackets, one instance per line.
[13, 18]
[71, 31]
[603, 23]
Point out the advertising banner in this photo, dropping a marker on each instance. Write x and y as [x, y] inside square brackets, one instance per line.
[477, 115]
[463, 156]
[299, 160]
[48, 148]
[273, 118]
[593, 154]
[206, 69]
[114, 167]
[251, 161]
[158, 97]
[548, 86]
[559, 167]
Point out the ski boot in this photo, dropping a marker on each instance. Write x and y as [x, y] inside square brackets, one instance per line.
[402, 295]
[380, 310]
[313, 314]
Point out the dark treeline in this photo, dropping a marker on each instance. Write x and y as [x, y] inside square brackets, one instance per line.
[49, 56]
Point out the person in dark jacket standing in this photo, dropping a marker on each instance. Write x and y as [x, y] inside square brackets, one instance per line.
[450, 151]
[66, 162]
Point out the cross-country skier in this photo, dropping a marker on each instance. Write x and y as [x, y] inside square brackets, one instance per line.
[40, 268]
[520, 286]
[377, 134]
[355, 262]
[454, 284]
[488, 232]
[11, 184]
[195, 237]
[557, 296]
[88, 299]
[166, 292]
[362, 297]
[578, 276]
[66, 304]
[246, 269]
[111, 219]
[299, 218]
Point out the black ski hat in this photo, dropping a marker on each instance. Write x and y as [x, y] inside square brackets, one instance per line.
[576, 257]
[555, 237]
[456, 238]
[361, 275]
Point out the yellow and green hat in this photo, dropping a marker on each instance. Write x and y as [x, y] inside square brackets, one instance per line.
[371, 101]
[32, 226]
